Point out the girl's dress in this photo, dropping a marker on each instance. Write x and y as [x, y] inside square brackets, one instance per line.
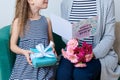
[36, 31]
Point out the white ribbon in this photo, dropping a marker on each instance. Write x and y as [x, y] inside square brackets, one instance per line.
[43, 52]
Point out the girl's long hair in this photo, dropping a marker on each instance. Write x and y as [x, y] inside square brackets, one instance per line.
[22, 13]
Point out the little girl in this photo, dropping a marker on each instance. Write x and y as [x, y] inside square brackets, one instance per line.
[32, 29]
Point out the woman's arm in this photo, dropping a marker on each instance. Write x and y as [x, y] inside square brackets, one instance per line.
[108, 36]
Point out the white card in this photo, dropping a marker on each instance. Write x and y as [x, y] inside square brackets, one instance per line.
[61, 27]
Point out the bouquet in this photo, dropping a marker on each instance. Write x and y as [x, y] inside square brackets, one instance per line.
[78, 55]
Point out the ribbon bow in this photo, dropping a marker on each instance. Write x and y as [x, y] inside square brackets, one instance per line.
[41, 51]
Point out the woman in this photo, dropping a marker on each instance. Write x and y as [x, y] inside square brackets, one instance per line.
[104, 65]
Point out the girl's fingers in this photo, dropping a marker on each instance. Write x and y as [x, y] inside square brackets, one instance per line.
[29, 60]
[30, 52]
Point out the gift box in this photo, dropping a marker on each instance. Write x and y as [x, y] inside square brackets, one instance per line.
[80, 30]
[43, 57]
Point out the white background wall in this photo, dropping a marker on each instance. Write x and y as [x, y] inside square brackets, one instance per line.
[7, 10]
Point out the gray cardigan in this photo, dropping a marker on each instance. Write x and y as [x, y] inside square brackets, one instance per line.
[104, 37]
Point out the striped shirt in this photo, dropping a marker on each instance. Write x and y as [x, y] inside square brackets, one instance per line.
[83, 9]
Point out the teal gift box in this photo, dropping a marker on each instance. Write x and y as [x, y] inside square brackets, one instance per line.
[43, 57]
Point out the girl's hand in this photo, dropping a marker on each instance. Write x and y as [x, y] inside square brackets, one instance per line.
[27, 55]
[54, 51]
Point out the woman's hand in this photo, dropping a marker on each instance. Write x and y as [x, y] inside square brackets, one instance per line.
[88, 57]
[80, 64]
[27, 55]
